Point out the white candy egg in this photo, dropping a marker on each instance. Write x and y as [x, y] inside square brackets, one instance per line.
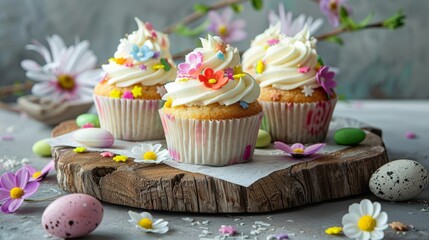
[399, 180]
[93, 137]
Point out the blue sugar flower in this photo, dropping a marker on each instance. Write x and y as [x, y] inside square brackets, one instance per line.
[142, 54]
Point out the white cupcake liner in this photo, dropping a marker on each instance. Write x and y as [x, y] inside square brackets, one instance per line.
[130, 119]
[298, 122]
[211, 142]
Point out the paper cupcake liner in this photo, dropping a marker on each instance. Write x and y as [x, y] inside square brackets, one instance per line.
[211, 142]
[298, 122]
[127, 119]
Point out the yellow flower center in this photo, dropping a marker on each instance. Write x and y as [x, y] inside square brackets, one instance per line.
[66, 82]
[367, 223]
[149, 156]
[145, 223]
[333, 5]
[223, 30]
[16, 192]
[298, 150]
[212, 81]
[36, 175]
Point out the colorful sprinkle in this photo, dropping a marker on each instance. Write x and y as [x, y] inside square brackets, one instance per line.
[229, 72]
[166, 64]
[244, 104]
[410, 135]
[161, 90]
[137, 91]
[272, 42]
[88, 125]
[79, 149]
[238, 72]
[304, 69]
[7, 138]
[120, 158]
[169, 102]
[119, 61]
[334, 230]
[143, 67]
[128, 95]
[115, 93]
[260, 67]
[158, 66]
[220, 55]
[156, 55]
[107, 154]
[227, 230]
[308, 91]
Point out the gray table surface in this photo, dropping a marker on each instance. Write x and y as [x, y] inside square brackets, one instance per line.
[395, 118]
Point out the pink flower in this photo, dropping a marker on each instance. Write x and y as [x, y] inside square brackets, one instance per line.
[228, 230]
[326, 79]
[223, 26]
[15, 188]
[192, 65]
[331, 9]
[298, 150]
[107, 154]
[37, 176]
[128, 95]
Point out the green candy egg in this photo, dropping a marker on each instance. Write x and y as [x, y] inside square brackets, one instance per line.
[88, 118]
[349, 136]
[42, 148]
[264, 139]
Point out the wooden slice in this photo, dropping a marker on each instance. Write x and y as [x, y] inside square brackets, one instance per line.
[161, 187]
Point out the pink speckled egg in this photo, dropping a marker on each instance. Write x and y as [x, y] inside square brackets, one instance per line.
[73, 215]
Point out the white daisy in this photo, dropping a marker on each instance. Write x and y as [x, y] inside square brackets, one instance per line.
[149, 153]
[68, 73]
[365, 221]
[145, 222]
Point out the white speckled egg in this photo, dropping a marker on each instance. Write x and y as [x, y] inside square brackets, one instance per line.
[399, 180]
[73, 215]
[93, 137]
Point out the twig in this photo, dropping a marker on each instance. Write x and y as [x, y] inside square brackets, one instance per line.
[7, 90]
[197, 15]
[341, 30]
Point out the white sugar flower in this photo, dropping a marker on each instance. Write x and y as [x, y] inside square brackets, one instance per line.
[149, 153]
[365, 221]
[290, 26]
[68, 73]
[145, 222]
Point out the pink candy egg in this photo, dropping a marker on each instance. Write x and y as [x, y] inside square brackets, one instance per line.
[73, 215]
[93, 137]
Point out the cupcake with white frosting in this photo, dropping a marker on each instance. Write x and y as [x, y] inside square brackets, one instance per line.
[297, 90]
[128, 98]
[212, 115]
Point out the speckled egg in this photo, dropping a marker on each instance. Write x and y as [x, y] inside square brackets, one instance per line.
[73, 215]
[399, 180]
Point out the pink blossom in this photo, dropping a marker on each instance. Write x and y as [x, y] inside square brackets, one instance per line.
[107, 154]
[37, 176]
[227, 29]
[192, 65]
[326, 79]
[331, 9]
[298, 150]
[128, 95]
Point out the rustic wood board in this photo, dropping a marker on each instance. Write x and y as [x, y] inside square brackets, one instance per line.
[161, 187]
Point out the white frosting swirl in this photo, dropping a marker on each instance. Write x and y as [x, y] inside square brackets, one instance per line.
[143, 72]
[259, 46]
[192, 92]
[282, 63]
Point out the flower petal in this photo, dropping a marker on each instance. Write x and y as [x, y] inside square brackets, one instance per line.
[7, 180]
[382, 220]
[313, 148]
[283, 146]
[161, 230]
[134, 216]
[21, 177]
[377, 209]
[350, 218]
[4, 194]
[366, 207]
[137, 151]
[160, 223]
[351, 231]
[236, 36]
[156, 147]
[40, 76]
[30, 189]
[227, 15]
[48, 167]
[44, 89]
[14, 204]
[30, 65]
[90, 78]
[376, 235]
[5, 206]
[31, 169]
[146, 215]
[297, 145]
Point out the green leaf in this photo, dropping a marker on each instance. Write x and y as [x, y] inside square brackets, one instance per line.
[396, 21]
[335, 39]
[188, 32]
[257, 4]
[237, 7]
[366, 20]
[345, 20]
[201, 8]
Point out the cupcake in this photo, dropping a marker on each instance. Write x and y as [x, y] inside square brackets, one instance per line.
[296, 88]
[211, 115]
[129, 96]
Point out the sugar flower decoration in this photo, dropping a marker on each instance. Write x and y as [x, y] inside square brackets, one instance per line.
[120, 158]
[145, 222]
[142, 54]
[212, 79]
[79, 149]
[107, 154]
[14, 188]
[307, 90]
[192, 64]
[298, 150]
[227, 230]
[291, 26]
[68, 73]
[37, 176]
[223, 26]
[334, 230]
[365, 221]
[331, 9]
[326, 79]
[148, 153]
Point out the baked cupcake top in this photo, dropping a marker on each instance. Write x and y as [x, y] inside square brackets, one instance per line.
[291, 63]
[212, 74]
[142, 57]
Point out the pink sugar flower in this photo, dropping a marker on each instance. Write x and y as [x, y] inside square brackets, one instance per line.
[107, 154]
[298, 150]
[223, 26]
[326, 79]
[128, 95]
[227, 230]
[37, 176]
[15, 188]
[192, 65]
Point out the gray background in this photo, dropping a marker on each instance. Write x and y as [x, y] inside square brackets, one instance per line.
[373, 63]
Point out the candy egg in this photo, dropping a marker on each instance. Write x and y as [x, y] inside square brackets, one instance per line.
[349, 136]
[42, 148]
[93, 137]
[88, 118]
[399, 180]
[73, 215]
[264, 139]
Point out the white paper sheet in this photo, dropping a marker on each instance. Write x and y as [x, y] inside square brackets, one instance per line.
[264, 161]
